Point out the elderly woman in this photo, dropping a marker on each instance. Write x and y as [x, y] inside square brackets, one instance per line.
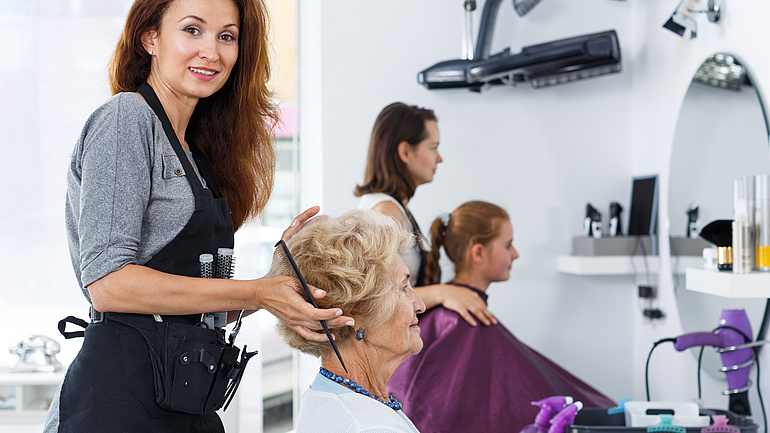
[355, 259]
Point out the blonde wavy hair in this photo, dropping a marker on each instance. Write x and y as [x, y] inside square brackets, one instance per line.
[353, 258]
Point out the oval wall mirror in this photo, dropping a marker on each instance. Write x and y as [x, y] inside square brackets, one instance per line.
[721, 135]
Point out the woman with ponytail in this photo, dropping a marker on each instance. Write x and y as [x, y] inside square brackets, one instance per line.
[483, 371]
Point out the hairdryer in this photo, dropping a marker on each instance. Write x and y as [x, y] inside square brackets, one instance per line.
[615, 226]
[692, 220]
[592, 224]
[734, 330]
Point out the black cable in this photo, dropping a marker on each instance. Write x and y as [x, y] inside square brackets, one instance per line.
[763, 326]
[644, 256]
[700, 359]
[759, 390]
[647, 365]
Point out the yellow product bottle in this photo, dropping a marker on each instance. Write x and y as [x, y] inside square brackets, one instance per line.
[762, 228]
[763, 258]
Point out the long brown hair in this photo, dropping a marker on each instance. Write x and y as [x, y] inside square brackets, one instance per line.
[474, 222]
[234, 126]
[385, 172]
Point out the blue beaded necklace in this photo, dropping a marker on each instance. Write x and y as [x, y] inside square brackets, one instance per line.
[393, 404]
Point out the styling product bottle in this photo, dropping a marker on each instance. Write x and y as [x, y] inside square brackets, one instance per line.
[548, 406]
[743, 208]
[762, 224]
[565, 417]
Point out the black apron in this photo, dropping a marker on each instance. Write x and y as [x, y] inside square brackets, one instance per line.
[419, 239]
[109, 387]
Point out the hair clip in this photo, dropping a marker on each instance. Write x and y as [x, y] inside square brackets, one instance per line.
[445, 217]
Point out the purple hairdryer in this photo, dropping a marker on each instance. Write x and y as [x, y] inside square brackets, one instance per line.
[734, 330]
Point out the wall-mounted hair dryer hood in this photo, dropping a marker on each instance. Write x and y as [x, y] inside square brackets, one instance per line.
[542, 65]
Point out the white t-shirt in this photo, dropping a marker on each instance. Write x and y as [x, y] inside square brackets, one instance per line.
[328, 407]
[412, 257]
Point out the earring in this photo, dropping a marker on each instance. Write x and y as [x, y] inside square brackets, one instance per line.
[150, 52]
[360, 334]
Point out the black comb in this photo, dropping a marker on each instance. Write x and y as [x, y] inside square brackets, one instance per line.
[283, 251]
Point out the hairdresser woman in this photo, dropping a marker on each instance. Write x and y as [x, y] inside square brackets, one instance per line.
[403, 154]
[165, 171]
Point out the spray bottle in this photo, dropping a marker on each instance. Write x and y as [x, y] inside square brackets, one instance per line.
[565, 417]
[547, 408]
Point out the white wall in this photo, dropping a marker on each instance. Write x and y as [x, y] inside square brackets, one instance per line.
[541, 154]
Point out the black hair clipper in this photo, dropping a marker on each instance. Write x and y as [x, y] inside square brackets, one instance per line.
[615, 228]
[592, 224]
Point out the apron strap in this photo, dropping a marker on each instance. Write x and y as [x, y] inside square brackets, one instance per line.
[75, 321]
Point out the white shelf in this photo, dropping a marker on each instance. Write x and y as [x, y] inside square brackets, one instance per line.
[621, 265]
[31, 393]
[728, 284]
[8, 378]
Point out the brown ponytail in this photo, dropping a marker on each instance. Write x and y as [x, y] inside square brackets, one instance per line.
[437, 235]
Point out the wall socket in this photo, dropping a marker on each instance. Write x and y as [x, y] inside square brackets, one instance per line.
[646, 292]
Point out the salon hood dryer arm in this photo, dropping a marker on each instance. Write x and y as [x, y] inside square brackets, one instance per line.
[544, 64]
[553, 62]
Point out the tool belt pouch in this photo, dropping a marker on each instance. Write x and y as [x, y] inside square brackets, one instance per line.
[196, 369]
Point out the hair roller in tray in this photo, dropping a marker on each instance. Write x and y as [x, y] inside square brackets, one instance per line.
[720, 426]
[666, 426]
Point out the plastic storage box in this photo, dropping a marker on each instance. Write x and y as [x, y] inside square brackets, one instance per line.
[591, 420]
[646, 413]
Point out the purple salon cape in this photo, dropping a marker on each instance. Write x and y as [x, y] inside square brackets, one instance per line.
[479, 379]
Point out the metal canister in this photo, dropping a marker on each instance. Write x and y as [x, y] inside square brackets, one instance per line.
[743, 226]
[762, 221]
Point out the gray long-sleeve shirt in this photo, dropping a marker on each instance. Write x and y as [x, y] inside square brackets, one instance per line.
[127, 192]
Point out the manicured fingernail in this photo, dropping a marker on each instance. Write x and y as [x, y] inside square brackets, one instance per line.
[293, 223]
[319, 292]
[338, 313]
[350, 323]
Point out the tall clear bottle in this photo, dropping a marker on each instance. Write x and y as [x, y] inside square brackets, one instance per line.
[743, 211]
[762, 223]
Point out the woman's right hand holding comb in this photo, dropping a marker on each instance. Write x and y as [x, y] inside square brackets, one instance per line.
[280, 297]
